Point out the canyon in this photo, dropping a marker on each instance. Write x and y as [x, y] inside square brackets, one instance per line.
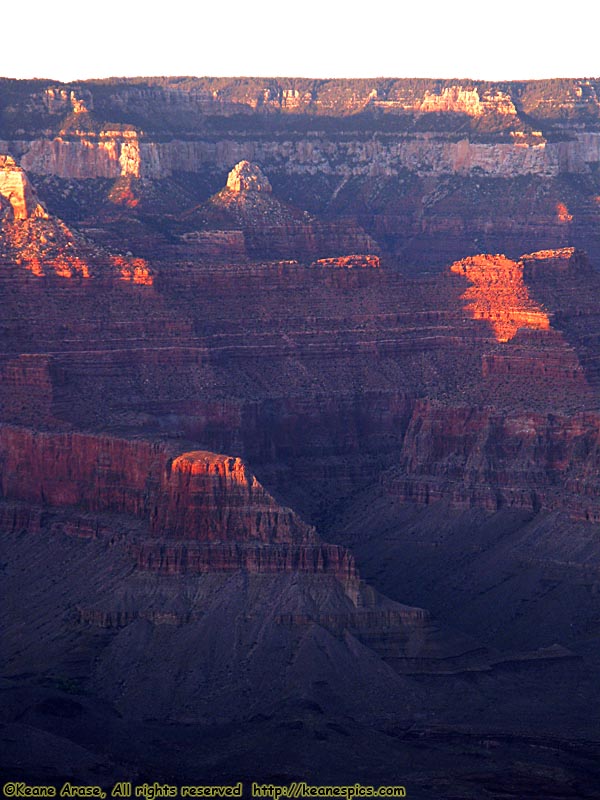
[300, 433]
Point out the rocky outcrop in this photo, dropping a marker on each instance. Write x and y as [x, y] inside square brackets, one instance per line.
[480, 458]
[18, 192]
[247, 177]
[247, 198]
[458, 99]
[349, 262]
[43, 246]
[192, 506]
[132, 270]
[500, 296]
[60, 100]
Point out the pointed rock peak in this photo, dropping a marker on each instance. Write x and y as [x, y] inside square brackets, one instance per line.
[248, 177]
[15, 187]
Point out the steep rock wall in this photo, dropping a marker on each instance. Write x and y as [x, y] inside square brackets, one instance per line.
[480, 458]
[113, 154]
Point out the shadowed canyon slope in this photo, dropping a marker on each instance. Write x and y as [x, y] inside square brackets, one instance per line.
[290, 467]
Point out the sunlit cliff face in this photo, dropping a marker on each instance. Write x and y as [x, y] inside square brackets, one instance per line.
[18, 201]
[200, 462]
[210, 497]
[499, 295]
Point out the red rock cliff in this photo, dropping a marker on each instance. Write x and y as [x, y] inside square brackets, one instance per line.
[205, 512]
[45, 246]
[192, 504]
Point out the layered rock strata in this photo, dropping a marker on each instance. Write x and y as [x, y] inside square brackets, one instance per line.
[205, 512]
[168, 592]
[284, 362]
[480, 458]
[180, 528]
[112, 154]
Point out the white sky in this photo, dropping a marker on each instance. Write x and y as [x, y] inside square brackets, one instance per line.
[508, 40]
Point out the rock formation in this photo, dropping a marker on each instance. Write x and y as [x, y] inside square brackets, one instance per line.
[500, 296]
[44, 245]
[193, 508]
[16, 189]
[201, 509]
[83, 154]
[349, 262]
[271, 228]
[247, 177]
[480, 458]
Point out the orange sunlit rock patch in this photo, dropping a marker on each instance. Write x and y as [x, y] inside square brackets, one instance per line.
[499, 295]
[63, 266]
[66, 266]
[133, 270]
[546, 255]
[44, 247]
[203, 462]
[562, 213]
[367, 261]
